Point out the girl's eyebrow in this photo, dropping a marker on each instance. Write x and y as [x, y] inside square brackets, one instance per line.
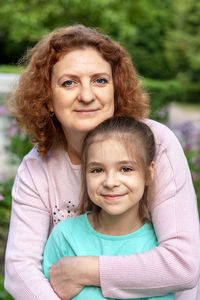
[125, 162]
[121, 162]
[94, 164]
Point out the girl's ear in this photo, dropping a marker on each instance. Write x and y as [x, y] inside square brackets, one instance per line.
[150, 176]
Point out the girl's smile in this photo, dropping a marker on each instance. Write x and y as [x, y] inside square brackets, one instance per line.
[115, 182]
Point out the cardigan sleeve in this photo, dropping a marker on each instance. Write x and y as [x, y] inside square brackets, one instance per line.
[174, 265]
[29, 229]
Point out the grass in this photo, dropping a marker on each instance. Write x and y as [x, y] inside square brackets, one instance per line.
[11, 69]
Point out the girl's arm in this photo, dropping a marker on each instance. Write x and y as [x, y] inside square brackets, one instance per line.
[29, 229]
[173, 265]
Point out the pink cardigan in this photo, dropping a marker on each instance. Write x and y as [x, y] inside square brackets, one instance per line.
[46, 190]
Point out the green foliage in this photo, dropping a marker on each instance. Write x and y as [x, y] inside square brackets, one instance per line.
[10, 69]
[163, 92]
[3, 294]
[19, 146]
[189, 136]
[5, 210]
[5, 206]
[140, 26]
[193, 158]
[182, 43]
[161, 36]
[19, 143]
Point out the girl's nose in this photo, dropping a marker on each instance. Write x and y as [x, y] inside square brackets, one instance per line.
[86, 94]
[110, 180]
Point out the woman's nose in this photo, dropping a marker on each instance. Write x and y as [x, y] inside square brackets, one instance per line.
[86, 94]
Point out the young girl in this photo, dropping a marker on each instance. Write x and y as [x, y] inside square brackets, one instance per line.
[117, 169]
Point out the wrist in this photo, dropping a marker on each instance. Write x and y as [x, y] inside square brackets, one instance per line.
[90, 270]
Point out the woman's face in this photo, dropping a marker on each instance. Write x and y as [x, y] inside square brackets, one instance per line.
[83, 91]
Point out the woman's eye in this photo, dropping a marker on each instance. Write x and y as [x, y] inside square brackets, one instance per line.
[96, 170]
[126, 169]
[101, 80]
[68, 83]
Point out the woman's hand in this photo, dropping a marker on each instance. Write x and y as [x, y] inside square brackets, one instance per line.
[70, 274]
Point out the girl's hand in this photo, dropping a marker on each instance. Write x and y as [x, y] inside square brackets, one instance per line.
[70, 274]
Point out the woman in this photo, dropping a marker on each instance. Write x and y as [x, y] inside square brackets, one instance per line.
[75, 79]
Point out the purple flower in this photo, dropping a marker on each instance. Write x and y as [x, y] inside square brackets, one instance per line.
[195, 177]
[1, 197]
[4, 111]
[188, 146]
[4, 176]
[12, 130]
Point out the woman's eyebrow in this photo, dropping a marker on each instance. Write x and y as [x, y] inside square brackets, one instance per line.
[72, 76]
[91, 76]
[101, 74]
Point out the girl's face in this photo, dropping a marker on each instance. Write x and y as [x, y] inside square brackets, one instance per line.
[83, 91]
[115, 182]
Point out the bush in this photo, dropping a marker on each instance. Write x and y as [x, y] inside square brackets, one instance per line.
[5, 209]
[18, 147]
[3, 294]
[163, 92]
[189, 137]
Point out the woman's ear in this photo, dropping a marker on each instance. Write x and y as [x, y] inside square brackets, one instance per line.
[50, 107]
[150, 173]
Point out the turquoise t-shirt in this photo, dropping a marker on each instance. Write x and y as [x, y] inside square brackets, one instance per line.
[76, 237]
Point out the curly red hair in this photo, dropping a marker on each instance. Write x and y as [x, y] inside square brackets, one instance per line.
[34, 93]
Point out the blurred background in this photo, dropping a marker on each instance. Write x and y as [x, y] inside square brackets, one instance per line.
[163, 40]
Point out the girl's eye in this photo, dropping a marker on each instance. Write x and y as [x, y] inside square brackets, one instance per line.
[126, 169]
[68, 83]
[96, 170]
[101, 80]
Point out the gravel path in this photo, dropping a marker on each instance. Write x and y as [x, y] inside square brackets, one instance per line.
[179, 114]
[7, 82]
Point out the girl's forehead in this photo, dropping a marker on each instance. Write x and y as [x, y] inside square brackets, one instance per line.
[109, 147]
[107, 143]
[122, 147]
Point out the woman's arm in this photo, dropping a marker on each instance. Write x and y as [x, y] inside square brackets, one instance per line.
[174, 264]
[29, 229]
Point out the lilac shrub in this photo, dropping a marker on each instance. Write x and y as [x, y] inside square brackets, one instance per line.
[189, 136]
[18, 142]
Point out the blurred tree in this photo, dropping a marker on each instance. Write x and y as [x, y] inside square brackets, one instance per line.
[183, 42]
[149, 21]
[140, 26]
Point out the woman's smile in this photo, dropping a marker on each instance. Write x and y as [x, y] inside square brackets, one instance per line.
[86, 111]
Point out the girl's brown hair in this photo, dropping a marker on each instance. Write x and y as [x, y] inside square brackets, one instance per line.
[139, 141]
[33, 93]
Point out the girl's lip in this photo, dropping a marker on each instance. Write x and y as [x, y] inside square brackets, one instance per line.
[113, 196]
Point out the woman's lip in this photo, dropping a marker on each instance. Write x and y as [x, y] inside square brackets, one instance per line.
[86, 111]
